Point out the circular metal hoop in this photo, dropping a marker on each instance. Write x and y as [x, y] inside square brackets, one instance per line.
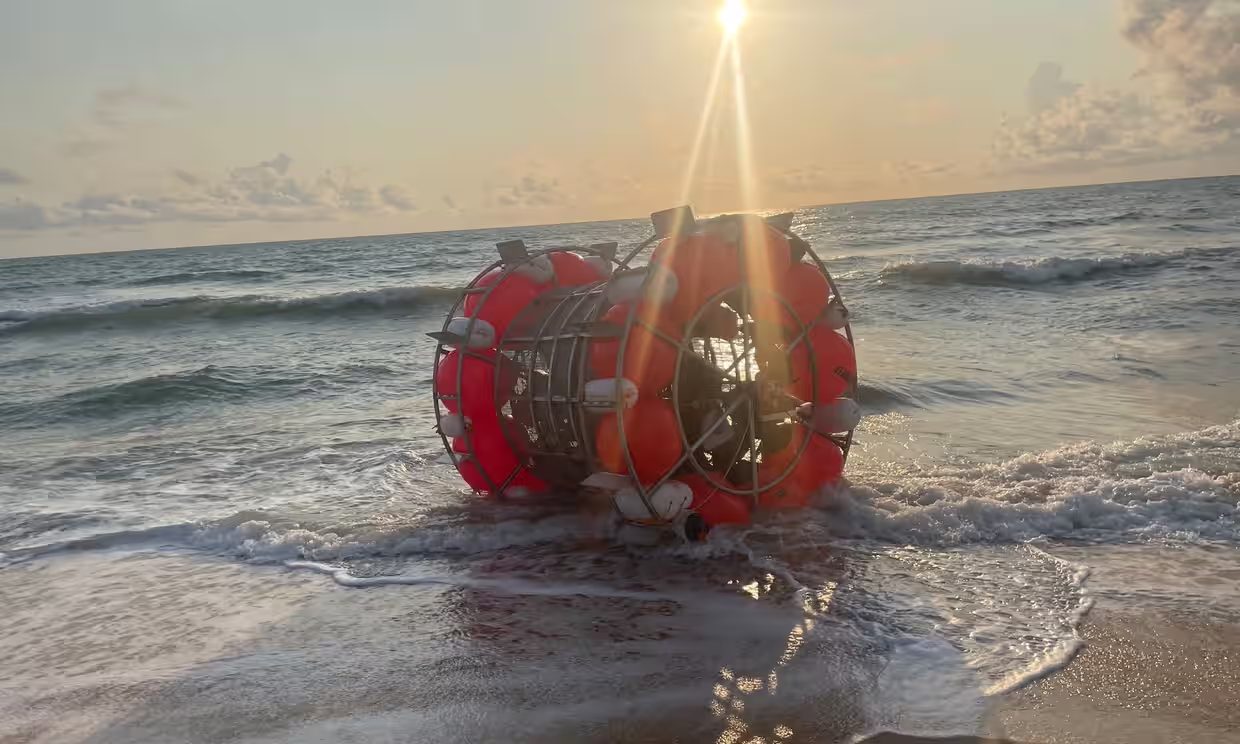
[751, 397]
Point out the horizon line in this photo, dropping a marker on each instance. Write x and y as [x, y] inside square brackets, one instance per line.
[618, 219]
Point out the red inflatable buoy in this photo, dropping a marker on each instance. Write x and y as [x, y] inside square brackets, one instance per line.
[807, 290]
[571, 270]
[492, 463]
[713, 505]
[653, 435]
[834, 362]
[477, 393]
[821, 463]
[704, 265]
[512, 295]
[649, 361]
[768, 254]
[710, 261]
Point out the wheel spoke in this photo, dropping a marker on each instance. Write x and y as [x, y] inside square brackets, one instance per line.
[753, 450]
[684, 456]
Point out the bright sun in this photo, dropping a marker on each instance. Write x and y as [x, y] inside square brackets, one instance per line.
[732, 16]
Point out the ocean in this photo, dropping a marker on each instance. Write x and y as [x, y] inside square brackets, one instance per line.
[225, 517]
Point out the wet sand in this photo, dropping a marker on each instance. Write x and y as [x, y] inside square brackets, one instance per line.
[1141, 679]
[168, 647]
[1166, 671]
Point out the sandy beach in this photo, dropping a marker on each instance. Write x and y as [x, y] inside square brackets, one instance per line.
[1159, 674]
[165, 647]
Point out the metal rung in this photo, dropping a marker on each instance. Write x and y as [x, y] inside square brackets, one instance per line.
[549, 399]
[553, 453]
[551, 337]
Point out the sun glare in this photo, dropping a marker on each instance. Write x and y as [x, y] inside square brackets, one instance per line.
[732, 16]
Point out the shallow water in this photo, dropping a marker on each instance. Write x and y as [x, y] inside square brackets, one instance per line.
[225, 522]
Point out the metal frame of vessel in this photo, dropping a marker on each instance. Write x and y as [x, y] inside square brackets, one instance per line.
[542, 365]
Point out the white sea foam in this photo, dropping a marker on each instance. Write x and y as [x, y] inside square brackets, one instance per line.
[265, 540]
[504, 585]
[1181, 486]
[1068, 647]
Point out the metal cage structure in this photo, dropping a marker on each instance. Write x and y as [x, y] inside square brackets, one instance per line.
[730, 403]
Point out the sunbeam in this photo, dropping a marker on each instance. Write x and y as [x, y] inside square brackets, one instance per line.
[744, 144]
[708, 112]
[731, 16]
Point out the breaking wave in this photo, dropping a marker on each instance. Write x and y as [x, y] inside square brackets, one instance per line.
[894, 394]
[193, 277]
[1180, 488]
[173, 389]
[1177, 487]
[155, 311]
[1045, 271]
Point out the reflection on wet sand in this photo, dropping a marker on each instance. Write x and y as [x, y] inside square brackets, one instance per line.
[531, 645]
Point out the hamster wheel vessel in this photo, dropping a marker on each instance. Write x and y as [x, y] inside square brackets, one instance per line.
[716, 380]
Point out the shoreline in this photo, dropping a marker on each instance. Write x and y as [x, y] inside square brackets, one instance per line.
[1164, 672]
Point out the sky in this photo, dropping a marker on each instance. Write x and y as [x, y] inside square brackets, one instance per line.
[131, 124]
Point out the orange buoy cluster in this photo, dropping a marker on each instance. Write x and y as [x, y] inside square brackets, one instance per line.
[473, 381]
[717, 380]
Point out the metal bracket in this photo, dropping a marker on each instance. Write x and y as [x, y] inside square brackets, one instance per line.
[512, 251]
[606, 250]
[782, 221]
[674, 221]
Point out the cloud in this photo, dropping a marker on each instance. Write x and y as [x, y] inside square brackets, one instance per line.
[530, 191]
[819, 179]
[22, 215]
[10, 177]
[397, 198]
[1187, 102]
[1193, 43]
[113, 111]
[266, 192]
[915, 170]
[186, 177]
[279, 163]
[847, 180]
[1047, 87]
[1099, 127]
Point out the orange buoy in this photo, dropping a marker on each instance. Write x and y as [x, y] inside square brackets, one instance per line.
[511, 295]
[806, 290]
[715, 505]
[652, 433]
[492, 463]
[476, 398]
[834, 367]
[649, 361]
[821, 463]
[767, 254]
[704, 265]
[571, 270]
[710, 261]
